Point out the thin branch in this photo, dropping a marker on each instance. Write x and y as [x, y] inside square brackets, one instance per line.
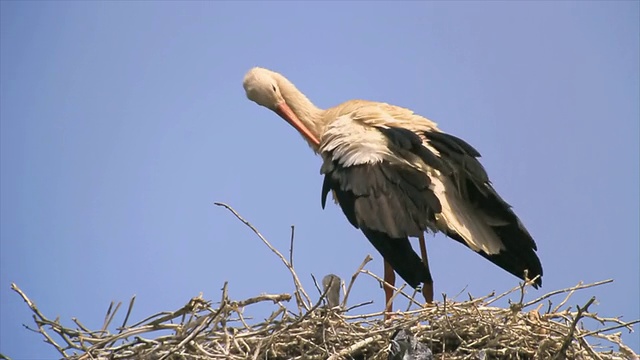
[366, 260]
[400, 292]
[453, 329]
[573, 288]
[609, 328]
[126, 318]
[296, 280]
[355, 347]
[315, 283]
[358, 305]
[293, 231]
[39, 318]
[201, 327]
[562, 354]
[110, 315]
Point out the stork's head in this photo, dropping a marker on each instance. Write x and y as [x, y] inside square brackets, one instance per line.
[261, 86]
[271, 90]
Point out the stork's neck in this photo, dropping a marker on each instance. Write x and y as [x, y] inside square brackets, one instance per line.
[309, 114]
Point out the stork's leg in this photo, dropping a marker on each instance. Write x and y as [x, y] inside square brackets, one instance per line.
[427, 289]
[389, 278]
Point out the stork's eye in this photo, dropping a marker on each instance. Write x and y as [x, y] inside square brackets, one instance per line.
[273, 87]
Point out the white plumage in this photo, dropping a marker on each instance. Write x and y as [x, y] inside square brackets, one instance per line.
[396, 175]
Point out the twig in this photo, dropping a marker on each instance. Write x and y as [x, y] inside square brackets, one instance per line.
[275, 298]
[413, 296]
[358, 305]
[299, 288]
[353, 348]
[38, 318]
[315, 283]
[301, 318]
[223, 305]
[453, 329]
[577, 287]
[381, 281]
[609, 328]
[396, 292]
[366, 260]
[293, 231]
[126, 318]
[562, 354]
[496, 298]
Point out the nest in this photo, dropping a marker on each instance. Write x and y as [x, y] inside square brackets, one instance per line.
[472, 329]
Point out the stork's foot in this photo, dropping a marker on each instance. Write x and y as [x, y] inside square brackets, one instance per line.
[427, 292]
[429, 305]
[388, 310]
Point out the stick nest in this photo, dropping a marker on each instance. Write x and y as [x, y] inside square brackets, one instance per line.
[472, 329]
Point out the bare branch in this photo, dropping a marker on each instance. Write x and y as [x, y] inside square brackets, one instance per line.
[296, 280]
[366, 260]
[126, 318]
[573, 288]
[562, 354]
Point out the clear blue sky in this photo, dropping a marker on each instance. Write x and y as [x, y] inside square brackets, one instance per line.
[122, 123]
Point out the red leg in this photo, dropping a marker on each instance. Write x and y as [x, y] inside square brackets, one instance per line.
[389, 278]
[427, 289]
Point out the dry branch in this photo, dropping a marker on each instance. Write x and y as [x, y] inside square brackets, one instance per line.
[289, 265]
[472, 329]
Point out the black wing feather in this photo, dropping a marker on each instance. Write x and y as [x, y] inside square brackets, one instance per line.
[407, 140]
[474, 185]
[391, 198]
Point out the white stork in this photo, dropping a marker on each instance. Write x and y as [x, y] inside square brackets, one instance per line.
[396, 175]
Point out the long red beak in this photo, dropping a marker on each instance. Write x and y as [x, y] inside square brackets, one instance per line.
[286, 113]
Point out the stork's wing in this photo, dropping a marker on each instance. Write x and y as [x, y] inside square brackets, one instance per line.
[387, 179]
[518, 249]
[379, 192]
